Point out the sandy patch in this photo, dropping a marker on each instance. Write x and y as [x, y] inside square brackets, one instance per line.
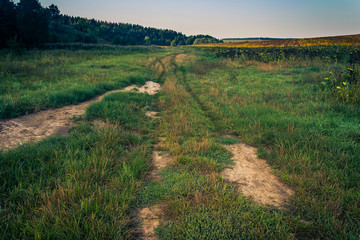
[254, 177]
[37, 126]
[160, 161]
[150, 87]
[150, 219]
[152, 114]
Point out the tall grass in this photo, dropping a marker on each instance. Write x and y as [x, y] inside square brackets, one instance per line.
[82, 186]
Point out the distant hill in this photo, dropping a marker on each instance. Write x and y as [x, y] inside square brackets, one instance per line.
[347, 40]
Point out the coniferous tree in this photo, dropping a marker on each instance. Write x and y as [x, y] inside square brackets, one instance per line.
[8, 28]
[54, 12]
[33, 22]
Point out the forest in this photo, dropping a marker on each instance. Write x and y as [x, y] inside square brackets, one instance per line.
[28, 24]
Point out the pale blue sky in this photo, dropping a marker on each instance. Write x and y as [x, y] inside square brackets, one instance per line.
[226, 18]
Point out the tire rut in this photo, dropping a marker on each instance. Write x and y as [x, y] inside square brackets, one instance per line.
[252, 176]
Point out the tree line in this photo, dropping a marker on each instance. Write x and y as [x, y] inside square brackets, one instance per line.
[30, 24]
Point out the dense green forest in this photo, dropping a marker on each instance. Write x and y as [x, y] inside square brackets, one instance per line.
[29, 24]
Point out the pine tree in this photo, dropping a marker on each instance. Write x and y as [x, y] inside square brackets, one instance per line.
[54, 12]
[33, 22]
[7, 22]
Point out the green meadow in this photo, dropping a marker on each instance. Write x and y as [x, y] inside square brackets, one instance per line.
[91, 183]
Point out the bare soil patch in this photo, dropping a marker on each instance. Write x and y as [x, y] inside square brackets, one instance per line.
[37, 126]
[254, 177]
[150, 87]
[150, 217]
[152, 114]
[161, 160]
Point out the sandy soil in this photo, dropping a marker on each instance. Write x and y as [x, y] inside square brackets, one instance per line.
[37, 126]
[254, 177]
[152, 114]
[150, 217]
[150, 87]
[160, 161]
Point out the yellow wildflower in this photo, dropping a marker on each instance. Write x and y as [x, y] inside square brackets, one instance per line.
[344, 83]
[338, 87]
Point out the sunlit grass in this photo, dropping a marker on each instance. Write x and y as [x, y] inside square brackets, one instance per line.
[45, 79]
[80, 186]
[309, 139]
[90, 183]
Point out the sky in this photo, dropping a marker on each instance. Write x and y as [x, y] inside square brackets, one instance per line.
[226, 18]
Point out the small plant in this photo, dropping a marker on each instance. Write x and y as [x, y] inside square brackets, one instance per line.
[343, 86]
[228, 140]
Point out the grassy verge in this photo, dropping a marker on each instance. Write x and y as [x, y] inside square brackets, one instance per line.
[82, 186]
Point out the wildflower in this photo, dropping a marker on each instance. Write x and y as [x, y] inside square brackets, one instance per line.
[344, 83]
[351, 69]
[338, 87]
[326, 79]
[323, 83]
[330, 73]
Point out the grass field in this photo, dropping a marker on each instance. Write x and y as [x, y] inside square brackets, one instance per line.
[89, 184]
[46, 79]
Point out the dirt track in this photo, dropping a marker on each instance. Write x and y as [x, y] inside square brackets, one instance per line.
[37, 126]
[150, 217]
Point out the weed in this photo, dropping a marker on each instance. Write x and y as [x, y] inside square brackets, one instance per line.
[343, 87]
[203, 66]
[228, 140]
